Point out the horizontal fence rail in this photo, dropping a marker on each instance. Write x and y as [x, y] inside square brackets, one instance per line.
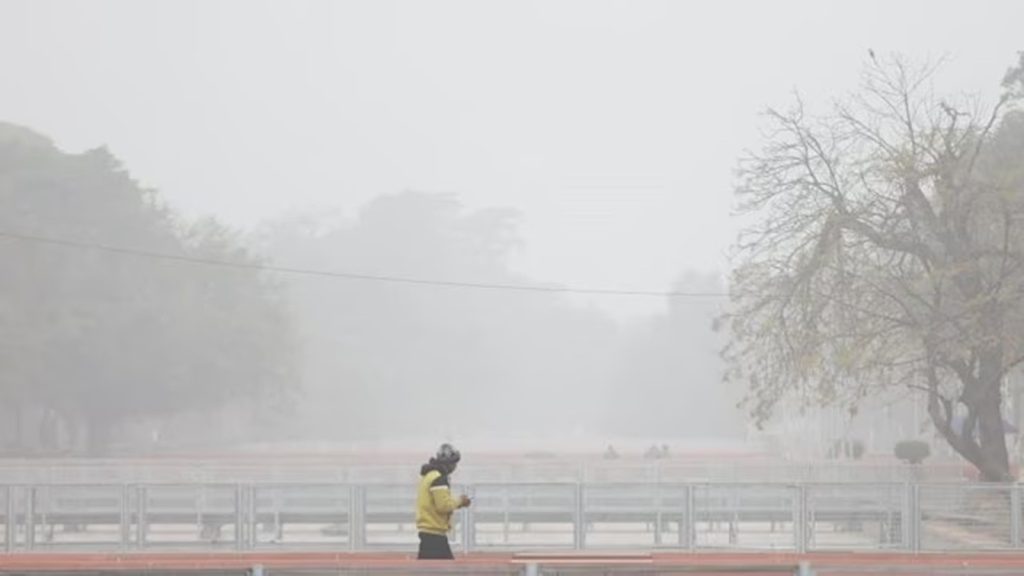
[524, 471]
[809, 517]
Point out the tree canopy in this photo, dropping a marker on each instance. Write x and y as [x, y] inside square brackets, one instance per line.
[885, 249]
[98, 337]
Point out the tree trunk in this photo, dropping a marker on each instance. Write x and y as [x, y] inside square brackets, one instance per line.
[981, 439]
[987, 403]
[994, 459]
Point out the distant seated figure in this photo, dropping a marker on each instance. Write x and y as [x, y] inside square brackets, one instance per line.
[652, 453]
[610, 453]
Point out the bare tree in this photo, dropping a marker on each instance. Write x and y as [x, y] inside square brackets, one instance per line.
[885, 250]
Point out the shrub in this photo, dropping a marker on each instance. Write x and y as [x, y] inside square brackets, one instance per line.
[912, 451]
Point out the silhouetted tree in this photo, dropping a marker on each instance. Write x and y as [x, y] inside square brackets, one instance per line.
[99, 337]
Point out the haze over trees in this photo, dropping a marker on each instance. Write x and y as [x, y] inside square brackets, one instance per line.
[885, 250]
[125, 324]
[395, 359]
[405, 360]
[95, 341]
[667, 382]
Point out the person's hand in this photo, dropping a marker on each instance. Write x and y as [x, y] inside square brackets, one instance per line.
[465, 501]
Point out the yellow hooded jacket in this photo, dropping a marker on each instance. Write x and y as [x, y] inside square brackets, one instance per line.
[434, 502]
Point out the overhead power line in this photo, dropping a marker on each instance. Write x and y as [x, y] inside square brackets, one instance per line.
[351, 275]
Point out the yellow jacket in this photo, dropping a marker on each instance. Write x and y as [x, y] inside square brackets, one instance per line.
[434, 502]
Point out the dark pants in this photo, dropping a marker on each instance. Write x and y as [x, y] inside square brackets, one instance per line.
[434, 547]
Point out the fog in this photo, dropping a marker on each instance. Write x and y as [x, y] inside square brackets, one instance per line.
[312, 223]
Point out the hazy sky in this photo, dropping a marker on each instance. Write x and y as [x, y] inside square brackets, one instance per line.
[613, 125]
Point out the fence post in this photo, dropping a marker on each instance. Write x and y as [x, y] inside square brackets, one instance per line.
[1015, 515]
[800, 521]
[30, 518]
[252, 521]
[357, 517]
[907, 517]
[126, 517]
[580, 527]
[352, 513]
[912, 517]
[687, 527]
[239, 537]
[10, 524]
[657, 514]
[468, 528]
[140, 504]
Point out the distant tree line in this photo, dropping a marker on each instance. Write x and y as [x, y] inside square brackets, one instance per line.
[94, 342]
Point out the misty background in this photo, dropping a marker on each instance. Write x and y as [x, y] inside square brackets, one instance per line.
[585, 145]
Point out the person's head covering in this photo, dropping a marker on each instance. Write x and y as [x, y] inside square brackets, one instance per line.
[444, 461]
[448, 455]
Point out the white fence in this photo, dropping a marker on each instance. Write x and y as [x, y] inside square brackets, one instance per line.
[516, 516]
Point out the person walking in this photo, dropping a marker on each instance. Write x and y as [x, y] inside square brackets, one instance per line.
[435, 504]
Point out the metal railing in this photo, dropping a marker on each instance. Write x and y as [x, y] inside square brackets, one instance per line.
[587, 472]
[537, 516]
[427, 568]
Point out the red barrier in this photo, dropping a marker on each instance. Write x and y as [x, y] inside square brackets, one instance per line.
[718, 563]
